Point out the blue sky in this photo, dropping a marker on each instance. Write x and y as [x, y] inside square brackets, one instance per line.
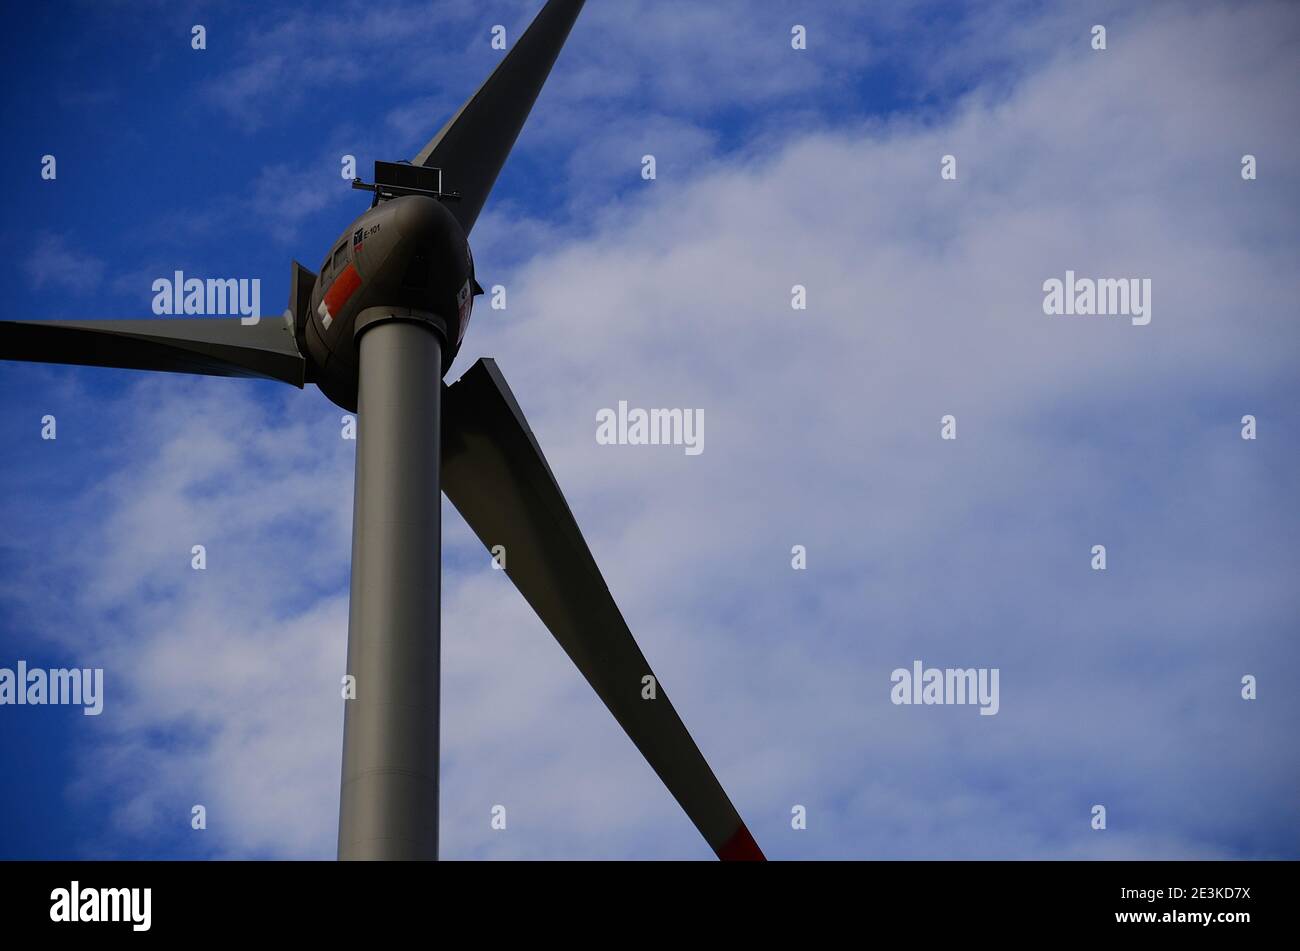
[775, 167]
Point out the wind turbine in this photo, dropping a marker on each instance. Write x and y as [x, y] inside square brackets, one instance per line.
[375, 331]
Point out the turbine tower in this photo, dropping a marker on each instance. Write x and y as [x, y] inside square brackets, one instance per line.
[376, 330]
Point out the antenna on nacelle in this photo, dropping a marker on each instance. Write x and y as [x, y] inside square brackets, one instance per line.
[402, 178]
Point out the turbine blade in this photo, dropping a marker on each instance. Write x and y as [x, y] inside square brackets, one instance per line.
[494, 472]
[475, 143]
[202, 345]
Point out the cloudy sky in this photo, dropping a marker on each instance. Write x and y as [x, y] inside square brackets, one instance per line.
[775, 167]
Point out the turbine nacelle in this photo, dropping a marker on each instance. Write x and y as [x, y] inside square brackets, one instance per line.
[406, 256]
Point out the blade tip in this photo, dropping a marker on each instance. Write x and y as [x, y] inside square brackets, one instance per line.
[741, 847]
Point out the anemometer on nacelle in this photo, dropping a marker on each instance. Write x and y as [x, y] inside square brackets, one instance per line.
[402, 178]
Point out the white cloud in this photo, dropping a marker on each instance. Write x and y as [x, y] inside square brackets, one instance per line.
[52, 264]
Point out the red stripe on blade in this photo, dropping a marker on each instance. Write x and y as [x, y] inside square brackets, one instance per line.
[741, 847]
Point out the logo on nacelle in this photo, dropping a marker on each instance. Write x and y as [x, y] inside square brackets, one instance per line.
[361, 234]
